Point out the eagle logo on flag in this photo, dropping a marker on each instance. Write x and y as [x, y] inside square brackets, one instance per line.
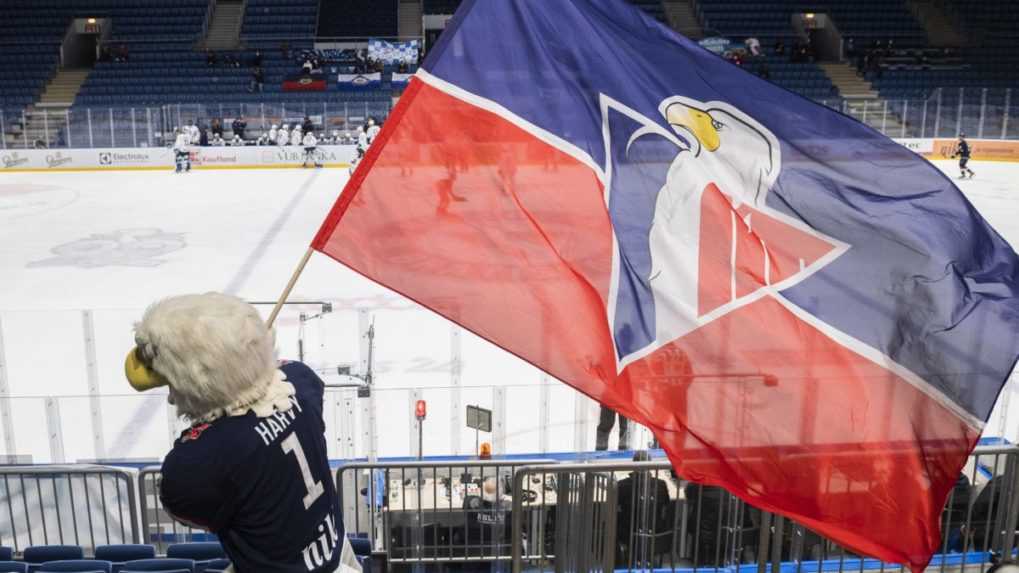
[695, 238]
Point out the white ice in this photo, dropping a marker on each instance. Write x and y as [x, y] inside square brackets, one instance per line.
[111, 243]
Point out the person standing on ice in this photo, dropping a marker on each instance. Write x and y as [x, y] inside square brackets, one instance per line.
[962, 151]
[310, 144]
[182, 154]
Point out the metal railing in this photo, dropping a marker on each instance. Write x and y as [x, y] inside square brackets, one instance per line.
[639, 516]
[157, 527]
[152, 126]
[430, 511]
[67, 505]
[980, 113]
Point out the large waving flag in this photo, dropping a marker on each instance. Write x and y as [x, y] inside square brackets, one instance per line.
[802, 311]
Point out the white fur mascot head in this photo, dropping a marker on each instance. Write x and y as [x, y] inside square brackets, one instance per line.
[214, 352]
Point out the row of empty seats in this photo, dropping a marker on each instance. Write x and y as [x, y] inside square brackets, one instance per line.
[207, 557]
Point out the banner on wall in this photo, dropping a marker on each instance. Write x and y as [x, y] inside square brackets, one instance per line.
[360, 81]
[394, 52]
[154, 158]
[401, 79]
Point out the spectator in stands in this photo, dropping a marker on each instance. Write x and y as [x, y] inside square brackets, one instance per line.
[307, 126]
[122, 53]
[285, 50]
[257, 79]
[754, 46]
[238, 127]
[210, 58]
[104, 54]
[257, 60]
[216, 127]
[779, 47]
[851, 49]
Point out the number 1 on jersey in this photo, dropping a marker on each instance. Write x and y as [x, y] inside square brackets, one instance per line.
[315, 489]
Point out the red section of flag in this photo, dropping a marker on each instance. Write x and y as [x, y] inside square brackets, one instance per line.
[743, 249]
[509, 237]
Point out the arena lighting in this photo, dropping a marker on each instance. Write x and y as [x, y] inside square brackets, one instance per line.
[91, 20]
[809, 15]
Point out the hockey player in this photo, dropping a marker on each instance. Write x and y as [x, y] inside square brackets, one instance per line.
[362, 147]
[310, 143]
[283, 137]
[296, 136]
[273, 132]
[217, 141]
[373, 130]
[962, 151]
[182, 154]
[194, 133]
[236, 141]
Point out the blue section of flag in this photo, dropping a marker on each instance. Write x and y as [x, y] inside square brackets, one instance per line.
[926, 281]
[638, 174]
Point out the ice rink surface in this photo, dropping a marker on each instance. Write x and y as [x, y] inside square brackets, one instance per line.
[113, 242]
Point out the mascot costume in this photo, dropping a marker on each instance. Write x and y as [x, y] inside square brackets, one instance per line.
[252, 468]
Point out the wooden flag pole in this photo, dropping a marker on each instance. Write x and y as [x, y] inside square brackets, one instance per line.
[290, 286]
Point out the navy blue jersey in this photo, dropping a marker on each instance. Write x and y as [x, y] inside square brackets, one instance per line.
[964, 149]
[263, 485]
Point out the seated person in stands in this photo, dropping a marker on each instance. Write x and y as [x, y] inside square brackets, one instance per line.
[210, 58]
[643, 494]
[256, 61]
[238, 127]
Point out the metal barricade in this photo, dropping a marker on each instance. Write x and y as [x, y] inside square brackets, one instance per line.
[158, 528]
[637, 515]
[626, 515]
[431, 511]
[67, 505]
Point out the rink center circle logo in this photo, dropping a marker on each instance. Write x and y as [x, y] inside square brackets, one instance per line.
[124, 158]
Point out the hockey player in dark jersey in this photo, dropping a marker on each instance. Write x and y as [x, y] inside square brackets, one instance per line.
[962, 151]
[253, 467]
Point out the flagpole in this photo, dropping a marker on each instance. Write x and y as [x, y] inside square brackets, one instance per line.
[290, 286]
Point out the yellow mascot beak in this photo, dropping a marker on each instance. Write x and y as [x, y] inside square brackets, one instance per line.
[140, 376]
[697, 122]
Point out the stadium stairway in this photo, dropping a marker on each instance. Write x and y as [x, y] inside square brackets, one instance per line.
[48, 116]
[683, 18]
[409, 18]
[849, 82]
[940, 31]
[225, 27]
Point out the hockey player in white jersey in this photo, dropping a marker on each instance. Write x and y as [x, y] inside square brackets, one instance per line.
[273, 132]
[283, 137]
[295, 135]
[362, 147]
[373, 130]
[310, 143]
[194, 133]
[181, 151]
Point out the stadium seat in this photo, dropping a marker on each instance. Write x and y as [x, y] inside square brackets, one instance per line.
[197, 551]
[361, 546]
[13, 567]
[76, 566]
[168, 564]
[6, 554]
[44, 553]
[212, 565]
[123, 553]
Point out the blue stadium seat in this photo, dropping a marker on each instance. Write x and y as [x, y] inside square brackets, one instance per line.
[6, 554]
[44, 553]
[13, 567]
[168, 564]
[123, 553]
[76, 566]
[203, 551]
